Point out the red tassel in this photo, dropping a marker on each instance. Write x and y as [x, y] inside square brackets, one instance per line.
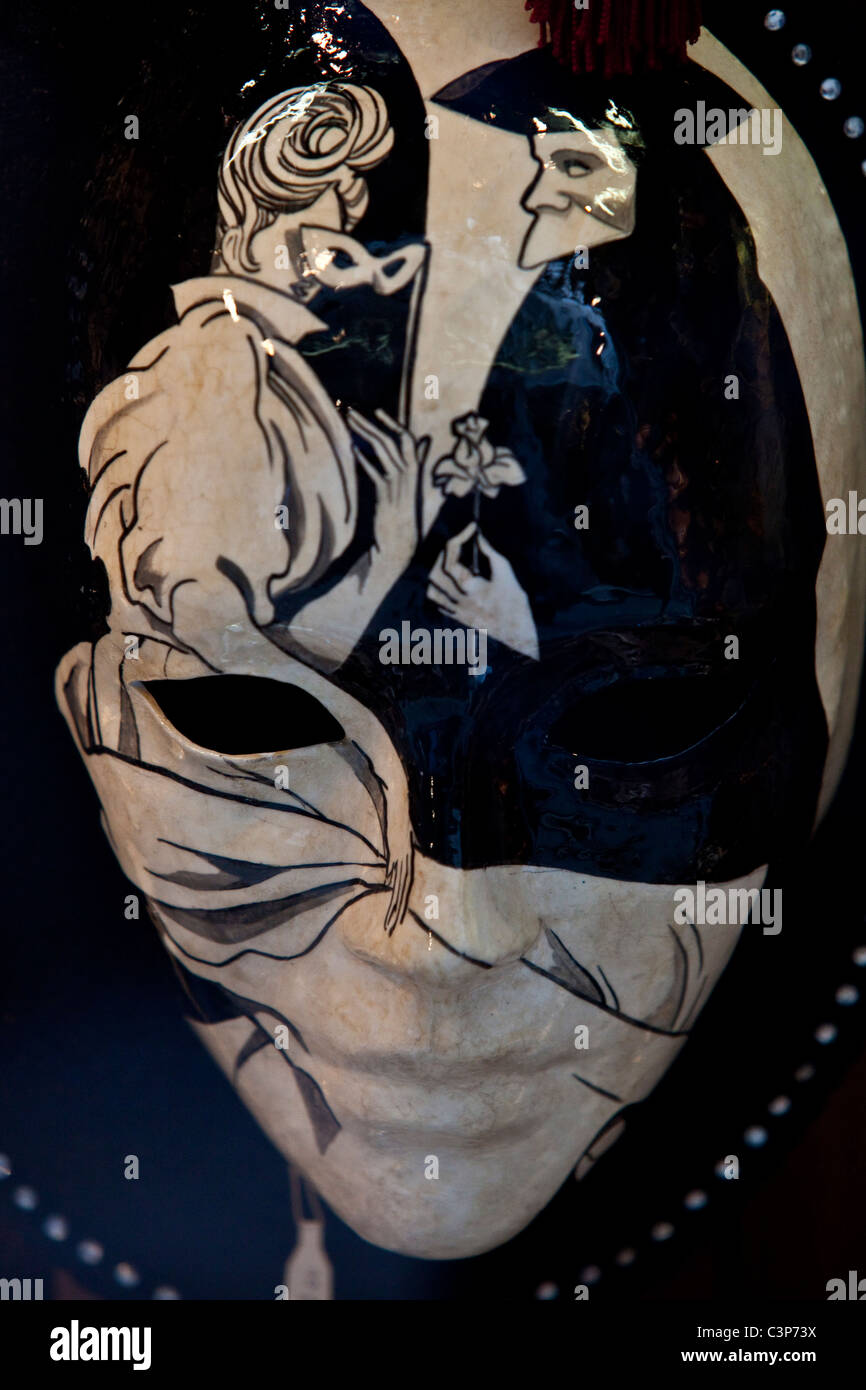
[618, 36]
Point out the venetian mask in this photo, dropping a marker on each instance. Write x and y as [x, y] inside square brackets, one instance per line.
[469, 599]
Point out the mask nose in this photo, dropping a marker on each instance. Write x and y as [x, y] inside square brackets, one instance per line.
[544, 195]
[471, 814]
[460, 924]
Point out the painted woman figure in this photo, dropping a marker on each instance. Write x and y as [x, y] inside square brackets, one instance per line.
[274, 506]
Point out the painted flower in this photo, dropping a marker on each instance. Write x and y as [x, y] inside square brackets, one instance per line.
[476, 465]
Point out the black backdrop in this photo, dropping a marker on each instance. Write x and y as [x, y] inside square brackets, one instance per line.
[96, 1060]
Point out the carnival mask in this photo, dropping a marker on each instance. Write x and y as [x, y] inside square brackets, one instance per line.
[459, 620]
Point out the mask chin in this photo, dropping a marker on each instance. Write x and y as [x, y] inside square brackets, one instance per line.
[412, 1065]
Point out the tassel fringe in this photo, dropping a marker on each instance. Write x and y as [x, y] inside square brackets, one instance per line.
[613, 37]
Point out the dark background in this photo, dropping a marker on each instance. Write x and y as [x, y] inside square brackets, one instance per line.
[96, 1060]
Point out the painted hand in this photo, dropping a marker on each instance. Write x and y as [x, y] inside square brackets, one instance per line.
[395, 470]
[497, 604]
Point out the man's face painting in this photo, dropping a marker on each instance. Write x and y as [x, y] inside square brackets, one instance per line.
[583, 194]
[423, 910]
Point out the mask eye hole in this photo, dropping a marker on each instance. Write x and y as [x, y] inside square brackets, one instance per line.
[244, 714]
[640, 721]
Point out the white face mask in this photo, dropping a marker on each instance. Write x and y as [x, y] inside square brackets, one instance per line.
[425, 935]
[497, 1026]
[584, 194]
